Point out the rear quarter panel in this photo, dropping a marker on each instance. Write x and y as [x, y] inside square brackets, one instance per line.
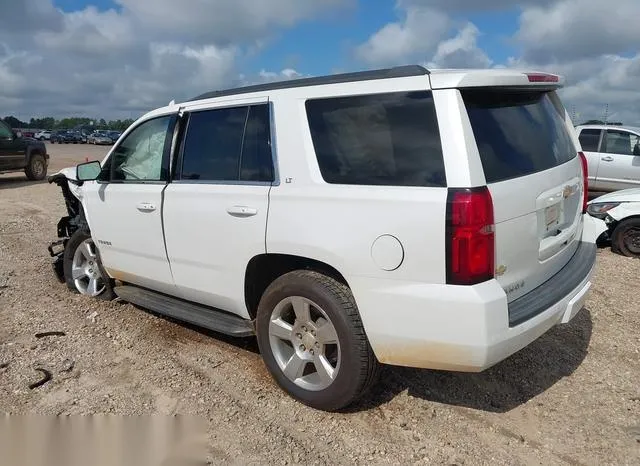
[338, 224]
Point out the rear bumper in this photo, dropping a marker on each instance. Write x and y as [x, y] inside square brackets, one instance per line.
[559, 286]
[468, 328]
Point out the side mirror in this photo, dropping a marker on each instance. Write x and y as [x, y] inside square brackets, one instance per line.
[88, 171]
[636, 149]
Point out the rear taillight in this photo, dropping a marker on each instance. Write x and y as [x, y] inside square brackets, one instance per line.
[585, 181]
[470, 236]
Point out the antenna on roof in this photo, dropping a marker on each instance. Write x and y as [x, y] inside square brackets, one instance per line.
[172, 103]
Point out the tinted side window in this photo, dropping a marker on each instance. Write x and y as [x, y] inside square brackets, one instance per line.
[590, 139]
[5, 131]
[517, 133]
[213, 143]
[383, 139]
[635, 143]
[256, 163]
[618, 142]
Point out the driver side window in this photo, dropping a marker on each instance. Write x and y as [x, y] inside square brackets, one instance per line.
[141, 155]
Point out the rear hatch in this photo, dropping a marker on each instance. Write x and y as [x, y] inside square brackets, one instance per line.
[534, 175]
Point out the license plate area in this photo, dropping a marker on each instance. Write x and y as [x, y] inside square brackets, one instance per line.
[553, 217]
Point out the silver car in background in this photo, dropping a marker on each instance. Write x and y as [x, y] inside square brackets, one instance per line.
[100, 137]
[613, 156]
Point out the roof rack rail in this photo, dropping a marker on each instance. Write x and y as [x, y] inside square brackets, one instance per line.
[395, 72]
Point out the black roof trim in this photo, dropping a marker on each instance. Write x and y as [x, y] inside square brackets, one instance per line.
[396, 72]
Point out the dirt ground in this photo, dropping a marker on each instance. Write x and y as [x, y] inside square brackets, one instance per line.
[572, 397]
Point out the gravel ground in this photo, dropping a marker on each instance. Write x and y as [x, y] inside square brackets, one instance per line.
[572, 397]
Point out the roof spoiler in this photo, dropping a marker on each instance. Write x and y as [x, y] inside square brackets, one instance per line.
[496, 78]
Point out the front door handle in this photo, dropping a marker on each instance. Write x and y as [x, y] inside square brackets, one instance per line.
[607, 158]
[242, 211]
[146, 207]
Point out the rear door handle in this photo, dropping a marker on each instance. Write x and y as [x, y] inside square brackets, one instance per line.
[241, 211]
[146, 207]
[607, 158]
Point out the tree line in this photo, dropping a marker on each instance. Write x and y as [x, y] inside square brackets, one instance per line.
[68, 123]
[600, 122]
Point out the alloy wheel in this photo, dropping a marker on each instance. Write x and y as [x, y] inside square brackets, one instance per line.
[304, 343]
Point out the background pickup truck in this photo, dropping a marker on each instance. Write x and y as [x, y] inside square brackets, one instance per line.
[18, 153]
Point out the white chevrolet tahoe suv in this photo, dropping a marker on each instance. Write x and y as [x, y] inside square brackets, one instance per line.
[398, 216]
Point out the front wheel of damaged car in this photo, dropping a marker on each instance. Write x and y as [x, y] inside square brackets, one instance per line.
[313, 342]
[83, 270]
[626, 238]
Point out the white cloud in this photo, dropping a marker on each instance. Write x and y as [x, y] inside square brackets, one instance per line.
[18, 15]
[594, 83]
[415, 36]
[593, 43]
[575, 29]
[271, 76]
[424, 34]
[472, 5]
[596, 45]
[222, 21]
[89, 31]
[120, 63]
[462, 51]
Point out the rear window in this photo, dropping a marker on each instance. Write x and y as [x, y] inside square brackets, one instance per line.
[383, 139]
[518, 133]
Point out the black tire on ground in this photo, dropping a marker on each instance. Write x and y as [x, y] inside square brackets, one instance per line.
[70, 249]
[358, 368]
[625, 239]
[36, 170]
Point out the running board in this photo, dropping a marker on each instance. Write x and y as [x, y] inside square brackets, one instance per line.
[186, 311]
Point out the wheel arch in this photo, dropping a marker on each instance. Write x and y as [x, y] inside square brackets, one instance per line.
[31, 151]
[263, 269]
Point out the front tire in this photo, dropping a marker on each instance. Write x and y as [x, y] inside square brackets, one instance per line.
[83, 271]
[626, 238]
[36, 170]
[313, 342]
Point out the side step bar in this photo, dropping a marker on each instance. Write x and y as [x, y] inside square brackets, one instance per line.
[196, 314]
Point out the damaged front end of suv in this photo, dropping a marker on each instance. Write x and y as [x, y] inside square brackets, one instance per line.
[69, 224]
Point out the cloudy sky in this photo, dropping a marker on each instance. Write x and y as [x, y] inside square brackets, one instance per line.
[120, 58]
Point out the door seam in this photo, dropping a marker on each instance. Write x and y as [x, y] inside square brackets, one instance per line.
[164, 235]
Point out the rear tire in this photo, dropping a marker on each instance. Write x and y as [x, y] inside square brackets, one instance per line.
[626, 238]
[313, 342]
[36, 170]
[83, 270]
